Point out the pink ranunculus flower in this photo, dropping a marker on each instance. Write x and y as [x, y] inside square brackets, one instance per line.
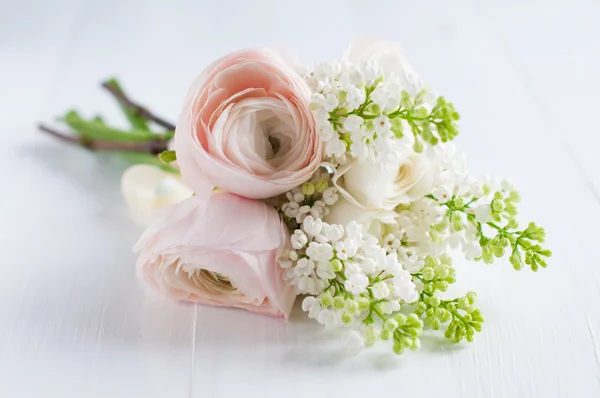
[218, 249]
[246, 127]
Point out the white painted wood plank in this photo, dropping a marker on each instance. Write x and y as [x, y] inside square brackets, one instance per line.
[556, 55]
[73, 319]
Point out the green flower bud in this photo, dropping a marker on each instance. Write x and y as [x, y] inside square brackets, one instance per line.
[375, 109]
[441, 285]
[446, 259]
[471, 296]
[400, 319]
[336, 265]
[326, 298]
[428, 273]
[346, 317]
[363, 303]
[321, 186]
[308, 189]
[515, 260]
[442, 271]
[416, 345]
[459, 202]
[462, 303]
[385, 334]
[390, 324]
[351, 306]
[413, 319]
[432, 262]
[435, 324]
[371, 334]
[339, 303]
[434, 301]
[498, 205]
[398, 348]
[440, 313]
[418, 145]
[514, 196]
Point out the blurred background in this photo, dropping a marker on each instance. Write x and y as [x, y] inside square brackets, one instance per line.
[73, 320]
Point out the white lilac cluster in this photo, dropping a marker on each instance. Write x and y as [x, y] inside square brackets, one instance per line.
[311, 198]
[428, 227]
[353, 106]
[346, 271]
[370, 231]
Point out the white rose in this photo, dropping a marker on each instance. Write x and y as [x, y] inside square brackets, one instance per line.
[370, 192]
[373, 221]
[371, 185]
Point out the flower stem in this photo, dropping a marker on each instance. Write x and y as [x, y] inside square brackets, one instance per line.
[134, 107]
[153, 147]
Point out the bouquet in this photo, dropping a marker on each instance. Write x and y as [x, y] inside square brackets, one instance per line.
[337, 183]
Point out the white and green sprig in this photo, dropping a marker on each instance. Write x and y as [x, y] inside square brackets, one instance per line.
[388, 279]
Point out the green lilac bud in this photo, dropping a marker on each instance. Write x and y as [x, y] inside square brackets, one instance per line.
[442, 271]
[498, 205]
[462, 303]
[434, 301]
[326, 298]
[339, 303]
[346, 317]
[418, 145]
[385, 334]
[514, 196]
[363, 303]
[416, 345]
[351, 306]
[390, 324]
[375, 109]
[321, 186]
[398, 348]
[432, 262]
[371, 334]
[441, 285]
[429, 288]
[400, 319]
[435, 324]
[446, 259]
[459, 202]
[413, 319]
[336, 265]
[471, 296]
[515, 260]
[428, 273]
[308, 189]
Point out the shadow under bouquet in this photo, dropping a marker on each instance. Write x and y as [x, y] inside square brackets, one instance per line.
[338, 183]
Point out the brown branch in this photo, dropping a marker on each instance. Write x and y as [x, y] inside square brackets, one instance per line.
[153, 147]
[136, 108]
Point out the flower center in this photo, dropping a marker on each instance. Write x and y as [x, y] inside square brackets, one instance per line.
[213, 281]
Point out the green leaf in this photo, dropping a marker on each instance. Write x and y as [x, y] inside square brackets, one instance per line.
[146, 158]
[97, 130]
[167, 156]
